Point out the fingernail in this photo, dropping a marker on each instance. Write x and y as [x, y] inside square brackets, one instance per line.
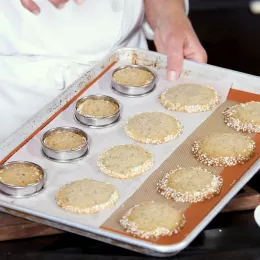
[36, 12]
[80, 2]
[172, 76]
[60, 6]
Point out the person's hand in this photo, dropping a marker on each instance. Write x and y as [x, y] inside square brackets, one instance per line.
[31, 6]
[176, 38]
[173, 34]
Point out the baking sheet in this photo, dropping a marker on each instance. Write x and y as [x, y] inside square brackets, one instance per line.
[100, 140]
[182, 156]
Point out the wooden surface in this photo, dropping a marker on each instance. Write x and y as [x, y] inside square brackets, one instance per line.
[17, 228]
[246, 200]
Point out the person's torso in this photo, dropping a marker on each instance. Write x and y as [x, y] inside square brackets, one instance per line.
[41, 55]
[94, 27]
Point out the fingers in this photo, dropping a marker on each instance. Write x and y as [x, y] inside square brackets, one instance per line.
[61, 3]
[79, 2]
[172, 46]
[31, 6]
[58, 3]
[174, 59]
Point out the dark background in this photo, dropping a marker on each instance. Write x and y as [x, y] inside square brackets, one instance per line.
[229, 32]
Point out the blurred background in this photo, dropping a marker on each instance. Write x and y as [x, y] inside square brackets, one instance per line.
[230, 32]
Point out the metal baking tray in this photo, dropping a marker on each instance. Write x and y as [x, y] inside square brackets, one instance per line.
[63, 106]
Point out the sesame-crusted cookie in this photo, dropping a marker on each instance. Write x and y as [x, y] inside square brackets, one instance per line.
[87, 196]
[244, 117]
[224, 149]
[192, 184]
[153, 128]
[190, 98]
[152, 220]
[125, 161]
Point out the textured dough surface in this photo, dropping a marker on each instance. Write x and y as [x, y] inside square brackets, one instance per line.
[64, 141]
[153, 128]
[97, 108]
[152, 219]
[192, 184]
[20, 175]
[133, 77]
[190, 98]
[87, 196]
[125, 161]
[224, 149]
[244, 117]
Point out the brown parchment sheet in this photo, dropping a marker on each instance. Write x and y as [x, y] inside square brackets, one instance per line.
[183, 157]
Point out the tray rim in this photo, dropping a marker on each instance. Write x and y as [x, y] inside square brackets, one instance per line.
[111, 57]
[106, 235]
[163, 250]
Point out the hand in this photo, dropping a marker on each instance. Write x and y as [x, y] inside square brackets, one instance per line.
[31, 6]
[173, 34]
[177, 39]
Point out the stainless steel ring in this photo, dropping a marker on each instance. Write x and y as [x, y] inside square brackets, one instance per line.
[97, 122]
[23, 191]
[136, 91]
[65, 156]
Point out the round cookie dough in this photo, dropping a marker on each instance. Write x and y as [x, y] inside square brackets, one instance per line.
[64, 140]
[224, 149]
[87, 196]
[125, 161]
[152, 220]
[97, 108]
[153, 128]
[190, 98]
[244, 117]
[191, 185]
[20, 175]
[133, 77]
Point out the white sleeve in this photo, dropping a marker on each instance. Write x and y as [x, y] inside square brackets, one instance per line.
[148, 30]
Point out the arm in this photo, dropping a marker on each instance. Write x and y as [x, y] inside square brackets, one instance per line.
[173, 34]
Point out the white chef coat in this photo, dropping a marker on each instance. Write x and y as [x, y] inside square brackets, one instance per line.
[38, 52]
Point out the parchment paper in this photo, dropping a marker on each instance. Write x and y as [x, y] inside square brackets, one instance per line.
[59, 174]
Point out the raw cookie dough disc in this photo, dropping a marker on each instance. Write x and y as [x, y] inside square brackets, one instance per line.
[191, 185]
[64, 140]
[97, 108]
[87, 196]
[134, 77]
[152, 220]
[224, 149]
[244, 117]
[153, 128]
[20, 175]
[190, 98]
[125, 161]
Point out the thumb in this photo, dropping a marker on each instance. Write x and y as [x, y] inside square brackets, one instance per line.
[174, 59]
